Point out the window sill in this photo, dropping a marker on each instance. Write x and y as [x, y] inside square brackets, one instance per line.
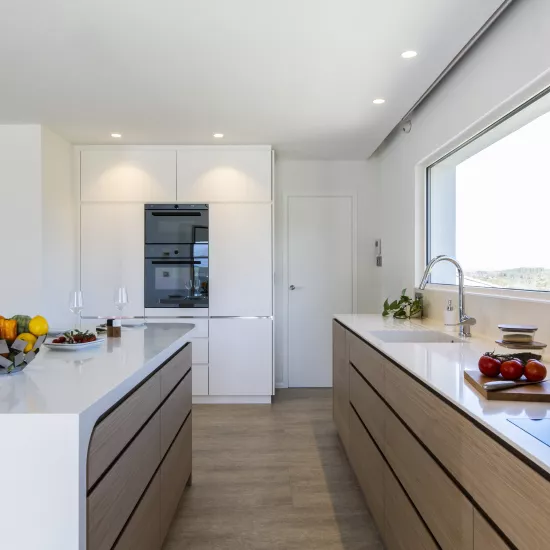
[497, 293]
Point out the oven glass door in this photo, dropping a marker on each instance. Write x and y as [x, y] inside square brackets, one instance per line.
[176, 226]
[176, 283]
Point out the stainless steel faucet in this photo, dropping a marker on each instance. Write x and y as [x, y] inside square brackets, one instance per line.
[465, 321]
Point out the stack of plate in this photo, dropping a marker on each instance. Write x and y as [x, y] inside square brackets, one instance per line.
[519, 337]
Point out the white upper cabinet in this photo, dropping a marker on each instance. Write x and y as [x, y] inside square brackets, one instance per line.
[213, 174]
[240, 276]
[111, 253]
[128, 175]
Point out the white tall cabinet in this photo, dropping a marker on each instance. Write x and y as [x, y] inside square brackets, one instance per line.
[233, 348]
[111, 255]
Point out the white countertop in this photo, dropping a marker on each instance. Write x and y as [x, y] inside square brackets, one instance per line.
[441, 366]
[80, 382]
[47, 414]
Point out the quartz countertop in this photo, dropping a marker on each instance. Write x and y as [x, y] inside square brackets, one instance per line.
[76, 382]
[441, 366]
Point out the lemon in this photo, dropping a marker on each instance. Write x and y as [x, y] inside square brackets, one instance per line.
[38, 326]
[30, 338]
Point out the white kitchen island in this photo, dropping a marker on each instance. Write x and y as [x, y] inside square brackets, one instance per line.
[47, 415]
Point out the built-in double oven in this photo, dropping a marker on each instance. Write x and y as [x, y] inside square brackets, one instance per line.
[176, 255]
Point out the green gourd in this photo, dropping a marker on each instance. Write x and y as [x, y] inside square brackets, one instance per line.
[22, 323]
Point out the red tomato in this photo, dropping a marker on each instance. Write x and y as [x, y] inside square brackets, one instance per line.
[512, 370]
[489, 366]
[535, 371]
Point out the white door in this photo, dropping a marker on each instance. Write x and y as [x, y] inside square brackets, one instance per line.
[111, 255]
[320, 278]
[241, 352]
[240, 276]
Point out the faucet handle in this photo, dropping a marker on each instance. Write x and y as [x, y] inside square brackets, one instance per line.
[466, 320]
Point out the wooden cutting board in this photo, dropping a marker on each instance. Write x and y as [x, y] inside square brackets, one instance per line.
[533, 392]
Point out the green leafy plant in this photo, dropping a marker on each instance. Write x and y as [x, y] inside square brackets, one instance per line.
[404, 307]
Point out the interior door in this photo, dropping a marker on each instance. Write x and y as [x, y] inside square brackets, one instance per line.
[320, 278]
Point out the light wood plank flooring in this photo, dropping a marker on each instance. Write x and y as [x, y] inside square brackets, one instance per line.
[271, 477]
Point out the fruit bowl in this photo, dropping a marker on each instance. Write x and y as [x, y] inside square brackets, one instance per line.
[20, 341]
[13, 358]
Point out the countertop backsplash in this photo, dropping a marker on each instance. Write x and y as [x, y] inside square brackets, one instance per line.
[492, 310]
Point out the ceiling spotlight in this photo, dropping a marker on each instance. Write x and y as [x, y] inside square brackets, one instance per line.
[409, 54]
[115, 135]
[218, 135]
[379, 101]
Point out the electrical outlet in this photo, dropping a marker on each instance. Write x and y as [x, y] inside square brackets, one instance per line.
[378, 261]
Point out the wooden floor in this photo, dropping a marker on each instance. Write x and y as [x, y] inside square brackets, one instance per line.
[271, 477]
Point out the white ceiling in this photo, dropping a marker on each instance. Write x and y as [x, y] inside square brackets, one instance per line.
[298, 74]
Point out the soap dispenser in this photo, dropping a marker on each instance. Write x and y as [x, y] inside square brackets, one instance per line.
[449, 317]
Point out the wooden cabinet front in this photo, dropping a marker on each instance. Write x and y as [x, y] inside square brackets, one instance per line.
[143, 530]
[368, 464]
[175, 473]
[340, 382]
[485, 537]
[113, 433]
[404, 529]
[512, 493]
[115, 497]
[139, 464]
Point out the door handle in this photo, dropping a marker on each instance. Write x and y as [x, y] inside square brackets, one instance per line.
[292, 287]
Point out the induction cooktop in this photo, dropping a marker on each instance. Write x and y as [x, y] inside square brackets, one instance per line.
[539, 428]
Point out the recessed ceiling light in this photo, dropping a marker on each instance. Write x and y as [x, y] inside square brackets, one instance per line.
[409, 54]
[379, 101]
[115, 135]
[218, 135]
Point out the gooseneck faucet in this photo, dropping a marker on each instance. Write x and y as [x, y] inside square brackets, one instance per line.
[465, 321]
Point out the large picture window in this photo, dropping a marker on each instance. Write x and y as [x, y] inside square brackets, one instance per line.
[489, 204]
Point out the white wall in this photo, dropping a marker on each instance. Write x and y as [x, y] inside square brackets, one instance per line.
[38, 256]
[509, 57]
[314, 178]
[60, 229]
[20, 219]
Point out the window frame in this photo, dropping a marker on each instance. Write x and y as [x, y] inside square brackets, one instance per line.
[525, 97]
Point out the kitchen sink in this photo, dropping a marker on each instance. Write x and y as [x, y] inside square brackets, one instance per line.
[415, 336]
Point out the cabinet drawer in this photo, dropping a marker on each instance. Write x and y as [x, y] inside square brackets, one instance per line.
[367, 361]
[446, 511]
[404, 529]
[369, 406]
[514, 495]
[174, 411]
[368, 466]
[485, 537]
[200, 379]
[143, 530]
[114, 498]
[114, 432]
[340, 382]
[175, 473]
[175, 370]
[199, 352]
